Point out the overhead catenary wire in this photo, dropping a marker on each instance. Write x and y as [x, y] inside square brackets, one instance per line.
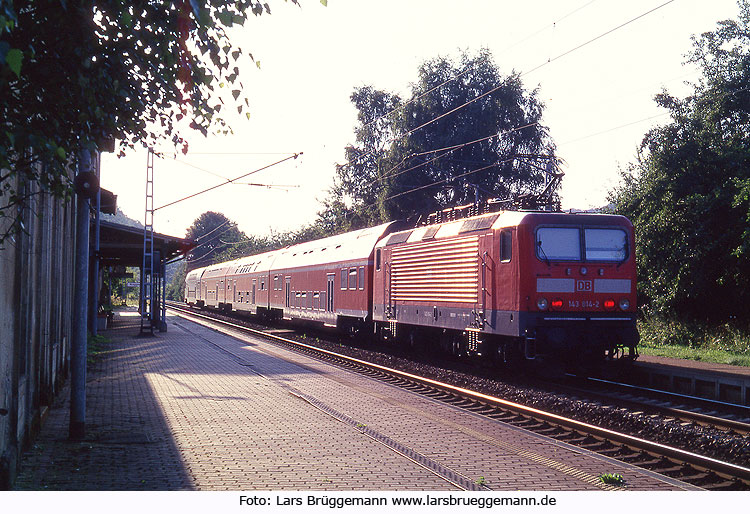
[553, 24]
[610, 31]
[549, 61]
[661, 115]
[447, 150]
[211, 250]
[230, 181]
[214, 230]
[469, 67]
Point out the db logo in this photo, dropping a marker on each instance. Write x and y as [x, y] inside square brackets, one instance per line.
[583, 285]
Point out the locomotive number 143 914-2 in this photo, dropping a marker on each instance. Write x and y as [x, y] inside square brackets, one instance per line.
[583, 304]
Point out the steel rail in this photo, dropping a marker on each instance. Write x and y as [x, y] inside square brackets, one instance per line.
[707, 402]
[699, 461]
[676, 412]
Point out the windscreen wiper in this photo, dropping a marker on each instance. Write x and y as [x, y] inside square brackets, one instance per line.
[544, 254]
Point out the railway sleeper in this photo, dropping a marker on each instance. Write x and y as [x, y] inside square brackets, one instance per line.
[675, 471]
[726, 485]
[614, 451]
[550, 431]
[635, 457]
[597, 446]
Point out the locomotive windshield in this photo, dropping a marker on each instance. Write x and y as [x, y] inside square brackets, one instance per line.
[565, 244]
[605, 244]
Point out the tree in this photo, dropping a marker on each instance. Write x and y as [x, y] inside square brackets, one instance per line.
[214, 234]
[465, 128]
[80, 74]
[688, 194]
[219, 240]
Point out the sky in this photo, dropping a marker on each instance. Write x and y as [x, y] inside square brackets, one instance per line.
[598, 97]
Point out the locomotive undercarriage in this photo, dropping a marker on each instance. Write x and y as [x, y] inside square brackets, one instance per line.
[574, 344]
[581, 342]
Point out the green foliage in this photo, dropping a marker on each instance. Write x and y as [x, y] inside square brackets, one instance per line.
[726, 343]
[411, 156]
[76, 75]
[176, 286]
[688, 193]
[220, 240]
[95, 346]
[214, 233]
[612, 479]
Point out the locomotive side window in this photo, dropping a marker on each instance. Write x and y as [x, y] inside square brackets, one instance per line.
[361, 277]
[377, 259]
[506, 246]
[344, 278]
[606, 244]
[352, 278]
[558, 244]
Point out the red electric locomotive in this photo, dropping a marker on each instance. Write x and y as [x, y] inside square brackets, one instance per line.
[531, 284]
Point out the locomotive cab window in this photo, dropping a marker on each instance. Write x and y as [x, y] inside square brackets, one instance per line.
[558, 244]
[606, 244]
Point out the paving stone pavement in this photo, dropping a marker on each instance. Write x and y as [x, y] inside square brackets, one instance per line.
[195, 409]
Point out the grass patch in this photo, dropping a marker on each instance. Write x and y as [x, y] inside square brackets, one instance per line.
[725, 344]
[95, 346]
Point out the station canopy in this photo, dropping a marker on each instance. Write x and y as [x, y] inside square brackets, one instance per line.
[122, 245]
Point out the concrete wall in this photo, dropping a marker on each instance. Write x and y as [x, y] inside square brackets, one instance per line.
[36, 300]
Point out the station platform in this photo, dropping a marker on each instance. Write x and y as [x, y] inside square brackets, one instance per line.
[196, 409]
[710, 380]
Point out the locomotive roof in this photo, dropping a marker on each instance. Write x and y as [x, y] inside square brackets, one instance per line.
[496, 220]
[350, 246]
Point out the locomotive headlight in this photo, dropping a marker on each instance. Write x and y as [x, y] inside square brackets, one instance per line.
[624, 304]
[584, 270]
[542, 304]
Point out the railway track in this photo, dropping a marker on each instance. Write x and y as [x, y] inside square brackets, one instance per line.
[728, 417]
[693, 468]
